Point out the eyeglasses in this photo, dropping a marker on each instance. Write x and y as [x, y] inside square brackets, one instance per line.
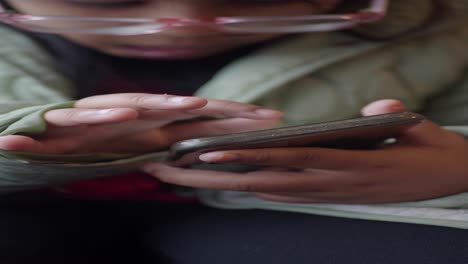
[142, 26]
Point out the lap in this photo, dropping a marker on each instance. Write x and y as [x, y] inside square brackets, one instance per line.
[72, 231]
[51, 230]
[206, 235]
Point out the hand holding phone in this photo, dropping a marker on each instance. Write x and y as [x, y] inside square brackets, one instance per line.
[360, 133]
[426, 161]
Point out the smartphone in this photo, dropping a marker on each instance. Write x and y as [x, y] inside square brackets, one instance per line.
[359, 133]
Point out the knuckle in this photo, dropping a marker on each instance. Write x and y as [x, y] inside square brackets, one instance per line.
[246, 107]
[307, 156]
[139, 99]
[213, 127]
[163, 137]
[163, 177]
[263, 157]
[242, 187]
[167, 97]
[70, 114]
[227, 107]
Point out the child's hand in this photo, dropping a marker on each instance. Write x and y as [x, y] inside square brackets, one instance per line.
[136, 123]
[427, 162]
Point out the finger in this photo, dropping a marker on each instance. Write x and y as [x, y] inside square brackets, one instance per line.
[316, 158]
[77, 116]
[346, 194]
[141, 101]
[153, 140]
[172, 116]
[430, 134]
[193, 106]
[258, 181]
[313, 197]
[289, 199]
[20, 143]
[235, 109]
[385, 106]
[216, 127]
[26, 144]
[169, 115]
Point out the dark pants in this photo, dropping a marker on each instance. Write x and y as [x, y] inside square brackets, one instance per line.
[65, 231]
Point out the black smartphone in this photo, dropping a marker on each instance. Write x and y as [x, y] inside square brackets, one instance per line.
[359, 133]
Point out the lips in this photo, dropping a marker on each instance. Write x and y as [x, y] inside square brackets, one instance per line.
[161, 51]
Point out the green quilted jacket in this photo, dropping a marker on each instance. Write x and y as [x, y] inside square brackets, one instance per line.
[312, 78]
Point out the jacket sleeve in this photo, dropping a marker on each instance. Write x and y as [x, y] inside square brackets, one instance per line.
[29, 83]
[30, 86]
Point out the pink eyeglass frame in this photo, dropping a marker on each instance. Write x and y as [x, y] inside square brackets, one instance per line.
[140, 26]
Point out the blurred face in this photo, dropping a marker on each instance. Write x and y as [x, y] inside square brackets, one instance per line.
[177, 42]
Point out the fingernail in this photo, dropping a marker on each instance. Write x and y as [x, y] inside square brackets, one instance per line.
[104, 111]
[268, 112]
[398, 107]
[179, 99]
[218, 157]
[91, 113]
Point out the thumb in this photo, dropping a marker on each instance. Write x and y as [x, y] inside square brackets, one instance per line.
[20, 143]
[385, 106]
[425, 133]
